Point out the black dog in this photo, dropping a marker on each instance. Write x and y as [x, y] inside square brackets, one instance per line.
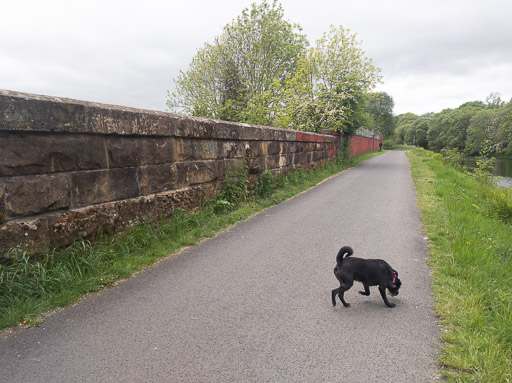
[370, 272]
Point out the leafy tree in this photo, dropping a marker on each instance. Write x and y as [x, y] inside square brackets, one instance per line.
[482, 126]
[240, 76]
[403, 123]
[505, 129]
[416, 133]
[328, 91]
[448, 129]
[380, 107]
[494, 101]
[492, 127]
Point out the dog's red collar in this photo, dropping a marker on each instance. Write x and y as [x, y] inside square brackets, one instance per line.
[394, 277]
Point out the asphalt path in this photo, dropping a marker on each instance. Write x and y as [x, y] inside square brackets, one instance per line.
[254, 303]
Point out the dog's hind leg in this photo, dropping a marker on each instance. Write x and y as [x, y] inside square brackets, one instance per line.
[383, 294]
[340, 291]
[366, 290]
[334, 293]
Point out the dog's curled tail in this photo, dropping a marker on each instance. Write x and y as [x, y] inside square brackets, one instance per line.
[345, 251]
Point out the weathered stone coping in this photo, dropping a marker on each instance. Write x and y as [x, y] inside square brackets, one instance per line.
[37, 113]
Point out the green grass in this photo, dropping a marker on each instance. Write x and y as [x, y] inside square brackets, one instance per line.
[31, 289]
[469, 228]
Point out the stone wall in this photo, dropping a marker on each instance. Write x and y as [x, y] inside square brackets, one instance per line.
[70, 168]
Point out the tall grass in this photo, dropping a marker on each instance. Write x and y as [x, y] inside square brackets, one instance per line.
[470, 238]
[31, 288]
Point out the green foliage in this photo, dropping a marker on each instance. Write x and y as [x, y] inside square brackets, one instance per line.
[464, 128]
[484, 164]
[343, 156]
[482, 126]
[265, 184]
[328, 91]
[499, 203]
[452, 157]
[416, 133]
[240, 76]
[403, 126]
[259, 71]
[448, 128]
[380, 108]
[235, 187]
[470, 248]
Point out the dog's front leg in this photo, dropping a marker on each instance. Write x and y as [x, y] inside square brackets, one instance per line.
[383, 294]
[366, 290]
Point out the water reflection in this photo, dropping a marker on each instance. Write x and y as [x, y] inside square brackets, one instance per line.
[502, 168]
[506, 182]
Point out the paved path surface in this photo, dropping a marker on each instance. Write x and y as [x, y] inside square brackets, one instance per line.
[254, 303]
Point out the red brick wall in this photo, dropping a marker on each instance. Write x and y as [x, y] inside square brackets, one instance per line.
[360, 144]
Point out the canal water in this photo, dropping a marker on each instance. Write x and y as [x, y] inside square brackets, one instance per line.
[502, 169]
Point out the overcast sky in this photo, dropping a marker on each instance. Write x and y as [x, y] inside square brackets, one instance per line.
[434, 54]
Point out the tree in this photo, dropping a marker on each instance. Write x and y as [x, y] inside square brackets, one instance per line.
[328, 91]
[241, 75]
[505, 129]
[380, 107]
[494, 101]
[416, 133]
[448, 129]
[404, 123]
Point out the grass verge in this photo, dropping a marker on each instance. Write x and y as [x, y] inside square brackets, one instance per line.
[470, 241]
[31, 289]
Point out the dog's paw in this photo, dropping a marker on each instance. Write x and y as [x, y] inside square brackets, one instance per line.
[391, 305]
[364, 293]
[346, 304]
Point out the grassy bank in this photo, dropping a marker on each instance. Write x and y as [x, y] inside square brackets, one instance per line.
[29, 290]
[469, 228]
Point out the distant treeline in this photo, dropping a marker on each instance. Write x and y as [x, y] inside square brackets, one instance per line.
[468, 128]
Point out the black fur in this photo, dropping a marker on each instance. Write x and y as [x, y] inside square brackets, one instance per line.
[370, 272]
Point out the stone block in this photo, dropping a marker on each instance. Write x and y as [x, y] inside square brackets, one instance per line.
[135, 210]
[66, 227]
[274, 147]
[50, 153]
[157, 178]
[94, 187]
[27, 195]
[154, 123]
[192, 127]
[22, 111]
[30, 235]
[272, 161]
[255, 149]
[187, 198]
[300, 158]
[285, 160]
[105, 119]
[197, 172]
[194, 149]
[256, 165]
[3, 209]
[136, 151]
[224, 130]
[234, 149]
